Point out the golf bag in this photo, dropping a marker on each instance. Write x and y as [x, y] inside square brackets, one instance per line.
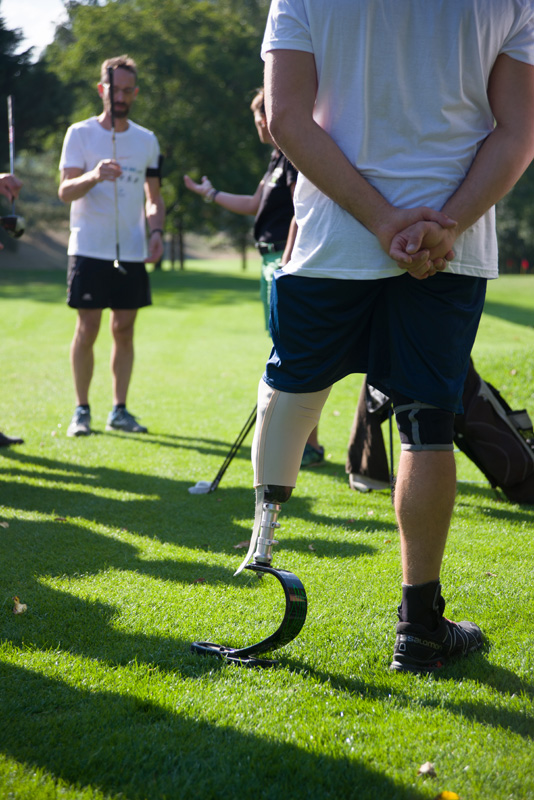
[366, 453]
[497, 439]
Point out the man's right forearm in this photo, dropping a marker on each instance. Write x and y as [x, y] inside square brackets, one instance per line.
[73, 188]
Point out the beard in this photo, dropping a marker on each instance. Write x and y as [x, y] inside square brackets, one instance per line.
[120, 110]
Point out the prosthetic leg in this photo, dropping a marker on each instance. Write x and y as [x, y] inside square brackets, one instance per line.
[283, 425]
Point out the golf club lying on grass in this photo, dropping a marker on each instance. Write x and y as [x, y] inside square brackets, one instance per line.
[206, 487]
[117, 263]
[12, 223]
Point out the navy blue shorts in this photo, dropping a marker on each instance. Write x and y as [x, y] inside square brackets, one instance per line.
[410, 337]
[95, 283]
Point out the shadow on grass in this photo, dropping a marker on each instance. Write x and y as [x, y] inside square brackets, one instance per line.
[130, 747]
[501, 508]
[519, 315]
[67, 546]
[158, 507]
[198, 444]
[475, 667]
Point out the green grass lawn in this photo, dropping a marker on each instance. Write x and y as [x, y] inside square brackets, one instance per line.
[121, 569]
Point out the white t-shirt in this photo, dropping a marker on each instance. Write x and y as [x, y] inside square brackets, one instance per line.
[92, 217]
[402, 89]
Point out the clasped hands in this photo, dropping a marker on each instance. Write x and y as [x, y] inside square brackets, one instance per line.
[420, 240]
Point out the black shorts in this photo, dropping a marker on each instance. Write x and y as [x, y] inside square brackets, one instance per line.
[411, 337]
[95, 283]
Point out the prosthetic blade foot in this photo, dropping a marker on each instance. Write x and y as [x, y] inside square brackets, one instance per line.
[294, 618]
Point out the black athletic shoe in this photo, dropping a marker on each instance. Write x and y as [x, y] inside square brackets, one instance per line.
[419, 650]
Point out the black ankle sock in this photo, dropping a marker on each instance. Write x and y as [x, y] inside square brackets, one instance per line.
[85, 408]
[422, 604]
[119, 406]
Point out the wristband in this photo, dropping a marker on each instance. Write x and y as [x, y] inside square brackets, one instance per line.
[211, 195]
[155, 230]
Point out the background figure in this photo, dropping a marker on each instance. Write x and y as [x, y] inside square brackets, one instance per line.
[88, 175]
[499, 440]
[10, 187]
[383, 135]
[274, 227]
[367, 461]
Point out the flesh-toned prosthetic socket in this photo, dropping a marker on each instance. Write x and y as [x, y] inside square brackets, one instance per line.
[283, 425]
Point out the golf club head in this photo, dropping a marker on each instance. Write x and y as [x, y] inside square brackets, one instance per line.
[13, 224]
[202, 487]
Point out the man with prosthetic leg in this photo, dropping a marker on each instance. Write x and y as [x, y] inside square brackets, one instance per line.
[425, 639]
[402, 153]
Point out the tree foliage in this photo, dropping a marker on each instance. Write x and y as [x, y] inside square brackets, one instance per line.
[515, 225]
[41, 101]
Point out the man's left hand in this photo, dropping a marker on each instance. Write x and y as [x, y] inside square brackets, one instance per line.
[10, 186]
[155, 248]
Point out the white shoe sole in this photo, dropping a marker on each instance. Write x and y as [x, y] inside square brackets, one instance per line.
[361, 483]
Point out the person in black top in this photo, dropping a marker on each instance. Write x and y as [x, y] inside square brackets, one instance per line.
[274, 225]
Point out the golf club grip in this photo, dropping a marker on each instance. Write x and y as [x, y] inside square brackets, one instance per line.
[11, 132]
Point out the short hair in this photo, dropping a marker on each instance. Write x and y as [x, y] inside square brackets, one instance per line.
[118, 62]
[258, 103]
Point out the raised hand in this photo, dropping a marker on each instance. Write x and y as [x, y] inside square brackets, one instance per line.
[202, 188]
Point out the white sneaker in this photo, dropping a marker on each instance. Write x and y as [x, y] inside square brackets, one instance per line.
[361, 483]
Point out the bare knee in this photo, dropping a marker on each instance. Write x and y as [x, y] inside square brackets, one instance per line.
[122, 326]
[87, 327]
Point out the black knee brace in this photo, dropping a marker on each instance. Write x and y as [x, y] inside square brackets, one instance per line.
[422, 426]
[277, 494]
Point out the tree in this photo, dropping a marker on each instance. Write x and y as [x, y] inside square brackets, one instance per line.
[41, 105]
[515, 225]
[41, 101]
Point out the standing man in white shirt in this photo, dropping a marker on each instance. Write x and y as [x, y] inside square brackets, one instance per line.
[391, 112]
[89, 171]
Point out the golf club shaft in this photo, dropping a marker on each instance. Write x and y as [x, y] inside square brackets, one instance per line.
[117, 262]
[11, 130]
[233, 450]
